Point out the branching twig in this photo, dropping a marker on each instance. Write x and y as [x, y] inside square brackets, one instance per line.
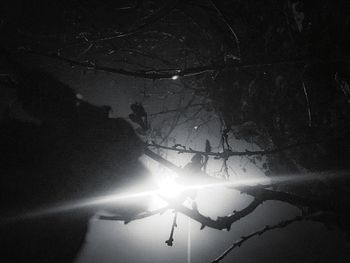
[221, 222]
[228, 153]
[267, 228]
[263, 194]
[259, 192]
[149, 20]
[175, 121]
[170, 241]
[260, 195]
[160, 73]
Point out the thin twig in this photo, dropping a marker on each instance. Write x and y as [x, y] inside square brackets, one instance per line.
[308, 104]
[147, 21]
[220, 223]
[229, 27]
[267, 228]
[159, 73]
[259, 192]
[228, 153]
[178, 109]
[170, 241]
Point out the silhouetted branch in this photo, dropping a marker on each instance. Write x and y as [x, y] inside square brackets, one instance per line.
[178, 109]
[153, 57]
[258, 191]
[162, 12]
[229, 27]
[221, 222]
[267, 228]
[308, 104]
[136, 217]
[147, 21]
[261, 193]
[228, 153]
[160, 73]
[170, 241]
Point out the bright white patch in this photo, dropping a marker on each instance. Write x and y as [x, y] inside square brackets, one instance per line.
[169, 188]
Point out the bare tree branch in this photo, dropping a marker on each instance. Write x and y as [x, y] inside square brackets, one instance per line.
[178, 109]
[149, 20]
[260, 195]
[228, 153]
[153, 57]
[267, 228]
[221, 222]
[259, 192]
[307, 103]
[170, 241]
[137, 217]
[160, 73]
[162, 12]
[223, 18]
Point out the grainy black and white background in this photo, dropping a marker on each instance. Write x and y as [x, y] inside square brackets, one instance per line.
[259, 90]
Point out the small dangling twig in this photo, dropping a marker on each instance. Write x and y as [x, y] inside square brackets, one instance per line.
[170, 241]
[307, 103]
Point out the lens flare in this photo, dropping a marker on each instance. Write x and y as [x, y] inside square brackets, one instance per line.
[168, 187]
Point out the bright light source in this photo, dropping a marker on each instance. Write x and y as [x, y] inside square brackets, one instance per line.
[169, 188]
[166, 182]
[175, 77]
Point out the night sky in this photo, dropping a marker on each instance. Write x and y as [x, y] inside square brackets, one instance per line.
[261, 89]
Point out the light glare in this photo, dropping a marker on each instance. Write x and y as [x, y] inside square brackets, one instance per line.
[167, 188]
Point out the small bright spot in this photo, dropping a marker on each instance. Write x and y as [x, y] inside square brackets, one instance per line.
[175, 77]
[195, 128]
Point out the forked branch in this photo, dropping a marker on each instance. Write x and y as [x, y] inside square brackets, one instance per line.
[267, 228]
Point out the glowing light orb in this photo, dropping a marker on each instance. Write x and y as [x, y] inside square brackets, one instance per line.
[169, 188]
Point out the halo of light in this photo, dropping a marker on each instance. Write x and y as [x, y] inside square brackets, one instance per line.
[169, 188]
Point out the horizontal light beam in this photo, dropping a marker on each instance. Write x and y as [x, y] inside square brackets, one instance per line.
[114, 198]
